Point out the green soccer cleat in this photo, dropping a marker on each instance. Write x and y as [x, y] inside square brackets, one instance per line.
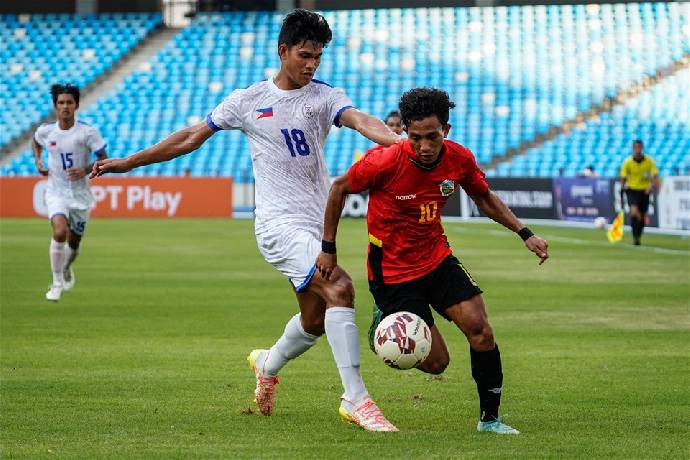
[375, 320]
[496, 426]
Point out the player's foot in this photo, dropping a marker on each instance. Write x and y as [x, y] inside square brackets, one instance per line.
[68, 279]
[54, 293]
[264, 394]
[496, 426]
[368, 416]
[636, 242]
[377, 315]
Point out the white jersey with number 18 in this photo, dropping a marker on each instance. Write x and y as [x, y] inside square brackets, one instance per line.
[287, 131]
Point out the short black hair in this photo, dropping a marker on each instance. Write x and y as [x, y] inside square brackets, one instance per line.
[302, 25]
[394, 113]
[64, 88]
[419, 103]
[638, 141]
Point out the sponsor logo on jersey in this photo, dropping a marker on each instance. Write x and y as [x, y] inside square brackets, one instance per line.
[447, 187]
[264, 113]
[412, 196]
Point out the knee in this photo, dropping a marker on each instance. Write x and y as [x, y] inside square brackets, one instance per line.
[60, 234]
[342, 293]
[313, 325]
[435, 367]
[483, 339]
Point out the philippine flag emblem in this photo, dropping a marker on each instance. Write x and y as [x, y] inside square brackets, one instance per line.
[52, 143]
[264, 113]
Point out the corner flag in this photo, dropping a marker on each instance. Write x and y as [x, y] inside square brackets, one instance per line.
[615, 232]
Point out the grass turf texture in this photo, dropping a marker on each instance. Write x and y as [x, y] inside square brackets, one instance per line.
[146, 357]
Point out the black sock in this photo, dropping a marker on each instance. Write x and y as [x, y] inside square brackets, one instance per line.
[636, 225]
[487, 373]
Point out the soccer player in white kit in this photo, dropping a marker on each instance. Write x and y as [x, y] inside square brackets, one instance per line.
[70, 144]
[287, 119]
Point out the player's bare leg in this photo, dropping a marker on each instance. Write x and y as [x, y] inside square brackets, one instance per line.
[438, 358]
[72, 250]
[57, 255]
[470, 316]
[343, 336]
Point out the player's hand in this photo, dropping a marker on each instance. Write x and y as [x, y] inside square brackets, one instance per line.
[76, 173]
[109, 165]
[326, 263]
[539, 246]
[42, 170]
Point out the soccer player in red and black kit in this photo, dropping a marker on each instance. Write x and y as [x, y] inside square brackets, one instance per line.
[410, 264]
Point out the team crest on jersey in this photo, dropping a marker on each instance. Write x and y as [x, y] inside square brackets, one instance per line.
[308, 111]
[447, 187]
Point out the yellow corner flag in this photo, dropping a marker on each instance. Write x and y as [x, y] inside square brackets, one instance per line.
[615, 232]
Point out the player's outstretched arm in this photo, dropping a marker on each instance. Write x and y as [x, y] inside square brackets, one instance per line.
[328, 260]
[178, 143]
[370, 127]
[491, 205]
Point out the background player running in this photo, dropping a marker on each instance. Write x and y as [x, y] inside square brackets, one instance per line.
[287, 119]
[70, 144]
[410, 264]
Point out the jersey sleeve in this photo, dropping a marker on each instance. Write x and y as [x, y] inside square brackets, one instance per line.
[652, 167]
[228, 114]
[371, 171]
[94, 141]
[337, 103]
[40, 136]
[474, 179]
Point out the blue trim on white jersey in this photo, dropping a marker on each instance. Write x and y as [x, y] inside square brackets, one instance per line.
[302, 287]
[336, 120]
[211, 124]
[101, 150]
[83, 123]
[319, 82]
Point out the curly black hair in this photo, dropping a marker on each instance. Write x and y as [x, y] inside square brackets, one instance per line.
[419, 103]
[64, 88]
[302, 25]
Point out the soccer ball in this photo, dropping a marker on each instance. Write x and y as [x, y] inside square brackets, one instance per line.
[600, 222]
[402, 340]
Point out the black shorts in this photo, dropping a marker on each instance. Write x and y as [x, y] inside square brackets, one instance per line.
[638, 198]
[448, 284]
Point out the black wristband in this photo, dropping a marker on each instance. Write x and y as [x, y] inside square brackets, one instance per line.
[525, 233]
[328, 246]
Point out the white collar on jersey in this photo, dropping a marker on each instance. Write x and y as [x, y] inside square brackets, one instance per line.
[285, 92]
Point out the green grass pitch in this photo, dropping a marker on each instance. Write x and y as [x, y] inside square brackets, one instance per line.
[146, 357]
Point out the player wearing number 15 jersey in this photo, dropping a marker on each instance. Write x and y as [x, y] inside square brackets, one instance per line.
[287, 119]
[410, 263]
[70, 144]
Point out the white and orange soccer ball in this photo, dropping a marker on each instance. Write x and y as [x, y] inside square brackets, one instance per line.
[402, 340]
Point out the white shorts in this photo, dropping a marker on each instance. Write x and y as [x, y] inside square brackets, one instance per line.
[292, 252]
[76, 217]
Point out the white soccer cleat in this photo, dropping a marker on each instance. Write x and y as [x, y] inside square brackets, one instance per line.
[54, 293]
[264, 394]
[68, 279]
[368, 416]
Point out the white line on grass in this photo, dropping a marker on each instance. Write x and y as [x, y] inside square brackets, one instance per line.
[566, 239]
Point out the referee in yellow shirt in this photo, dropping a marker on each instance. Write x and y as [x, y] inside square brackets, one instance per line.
[638, 175]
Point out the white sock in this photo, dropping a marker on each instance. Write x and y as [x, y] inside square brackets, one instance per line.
[71, 255]
[343, 337]
[294, 341]
[57, 260]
